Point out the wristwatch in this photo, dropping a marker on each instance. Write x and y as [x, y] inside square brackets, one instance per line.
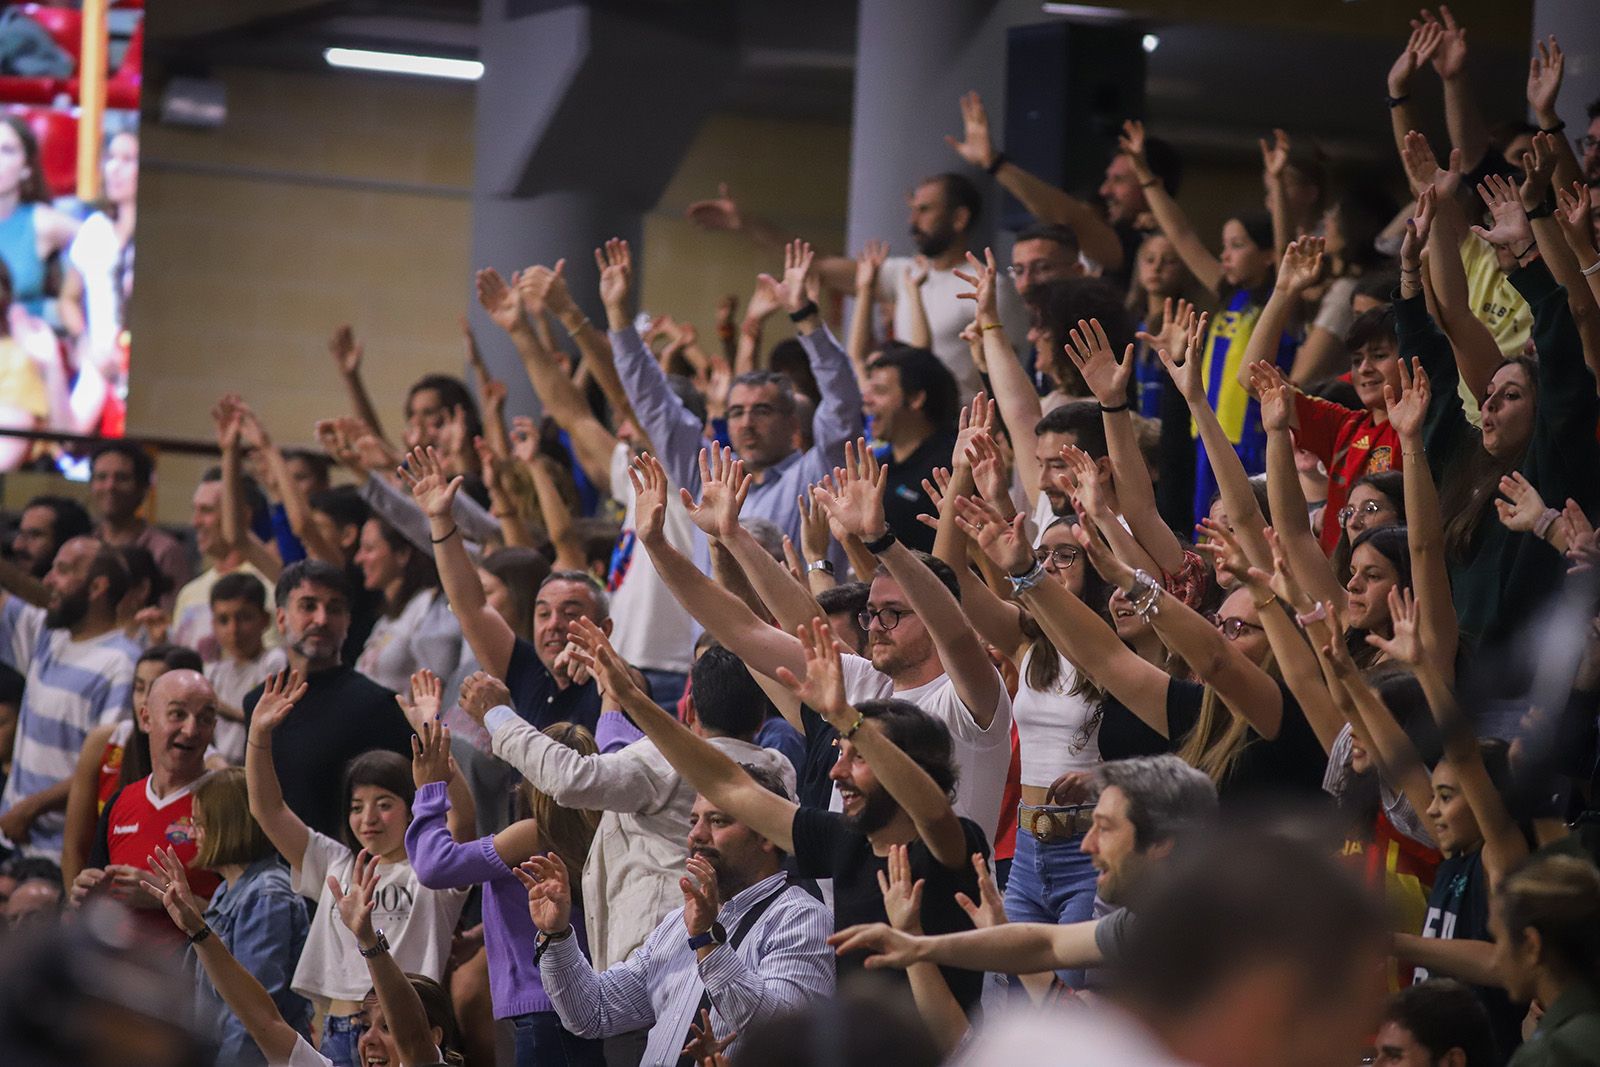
[714, 936]
[376, 950]
[823, 565]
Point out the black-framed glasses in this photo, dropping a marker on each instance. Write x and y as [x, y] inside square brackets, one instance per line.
[1232, 628]
[1061, 558]
[1367, 510]
[888, 618]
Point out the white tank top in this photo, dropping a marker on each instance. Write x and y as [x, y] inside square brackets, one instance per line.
[1050, 726]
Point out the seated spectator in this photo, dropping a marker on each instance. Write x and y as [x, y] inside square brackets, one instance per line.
[1437, 1021]
[376, 792]
[749, 939]
[342, 713]
[115, 755]
[120, 473]
[254, 912]
[415, 628]
[156, 811]
[79, 670]
[239, 621]
[191, 612]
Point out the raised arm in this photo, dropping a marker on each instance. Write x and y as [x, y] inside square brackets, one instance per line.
[296, 503]
[1469, 134]
[921, 333]
[859, 508]
[1172, 219]
[487, 632]
[288, 834]
[1284, 495]
[236, 532]
[902, 902]
[1043, 200]
[1424, 41]
[1015, 395]
[347, 352]
[548, 286]
[838, 415]
[860, 343]
[1299, 270]
[715, 776]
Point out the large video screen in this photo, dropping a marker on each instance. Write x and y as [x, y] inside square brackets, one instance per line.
[69, 180]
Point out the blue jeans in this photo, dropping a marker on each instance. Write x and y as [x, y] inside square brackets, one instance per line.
[666, 688]
[542, 1042]
[1052, 883]
[340, 1036]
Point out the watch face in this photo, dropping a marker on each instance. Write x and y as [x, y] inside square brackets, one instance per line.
[718, 934]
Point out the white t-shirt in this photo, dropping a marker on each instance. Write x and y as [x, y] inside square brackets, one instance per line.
[424, 634]
[417, 921]
[948, 315]
[1051, 725]
[94, 253]
[652, 630]
[303, 1055]
[984, 756]
[232, 679]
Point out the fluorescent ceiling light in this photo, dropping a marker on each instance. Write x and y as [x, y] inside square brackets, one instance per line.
[1091, 12]
[403, 63]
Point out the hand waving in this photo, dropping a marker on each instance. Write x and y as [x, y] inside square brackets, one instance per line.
[858, 506]
[1003, 542]
[1544, 77]
[1091, 352]
[355, 903]
[797, 260]
[1302, 264]
[718, 213]
[976, 145]
[649, 481]
[902, 897]
[590, 647]
[723, 487]
[1274, 394]
[169, 883]
[868, 263]
[426, 694]
[430, 754]
[1522, 507]
[1424, 41]
[1408, 411]
[615, 262]
[278, 697]
[503, 302]
[1406, 644]
[982, 279]
[549, 892]
[990, 910]
[1511, 229]
[434, 492]
[823, 686]
[346, 351]
[1572, 212]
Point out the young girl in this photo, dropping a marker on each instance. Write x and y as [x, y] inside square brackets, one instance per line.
[254, 912]
[417, 921]
[514, 983]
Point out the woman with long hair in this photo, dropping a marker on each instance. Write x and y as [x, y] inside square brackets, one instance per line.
[415, 628]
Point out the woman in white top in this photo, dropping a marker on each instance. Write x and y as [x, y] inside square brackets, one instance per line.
[415, 628]
[418, 922]
[407, 1020]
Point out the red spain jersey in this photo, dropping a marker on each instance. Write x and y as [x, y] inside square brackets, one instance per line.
[138, 823]
[1403, 869]
[1350, 444]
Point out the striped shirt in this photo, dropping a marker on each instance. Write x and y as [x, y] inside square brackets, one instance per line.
[783, 964]
[72, 687]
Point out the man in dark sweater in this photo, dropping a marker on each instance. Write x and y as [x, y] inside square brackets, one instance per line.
[343, 713]
[912, 400]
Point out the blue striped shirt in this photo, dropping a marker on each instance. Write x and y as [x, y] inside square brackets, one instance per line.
[72, 687]
[783, 964]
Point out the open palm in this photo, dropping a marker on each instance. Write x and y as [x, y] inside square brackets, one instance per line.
[431, 488]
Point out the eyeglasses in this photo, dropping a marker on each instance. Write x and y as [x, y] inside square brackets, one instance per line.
[1367, 510]
[1060, 558]
[1232, 628]
[888, 618]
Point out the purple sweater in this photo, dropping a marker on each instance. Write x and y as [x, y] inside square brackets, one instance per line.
[508, 931]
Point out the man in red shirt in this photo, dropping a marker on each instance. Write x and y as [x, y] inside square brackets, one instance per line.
[180, 716]
[1353, 444]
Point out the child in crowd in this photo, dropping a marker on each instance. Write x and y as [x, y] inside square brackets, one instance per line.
[239, 622]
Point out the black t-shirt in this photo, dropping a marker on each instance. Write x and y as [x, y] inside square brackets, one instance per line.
[1293, 762]
[1123, 734]
[903, 498]
[814, 789]
[365, 607]
[1458, 910]
[537, 698]
[343, 714]
[826, 847]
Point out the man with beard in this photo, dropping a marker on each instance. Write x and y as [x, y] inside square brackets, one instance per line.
[343, 713]
[79, 670]
[47, 523]
[1147, 806]
[748, 945]
[912, 400]
[895, 769]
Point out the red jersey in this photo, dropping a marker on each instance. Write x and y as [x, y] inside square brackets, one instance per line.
[1351, 444]
[109, 780]
[137, 823]
[1402, 868]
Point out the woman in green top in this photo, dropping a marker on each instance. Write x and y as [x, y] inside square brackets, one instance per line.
[1546, 926]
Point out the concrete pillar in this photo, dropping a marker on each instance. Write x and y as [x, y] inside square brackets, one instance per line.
[583, 115]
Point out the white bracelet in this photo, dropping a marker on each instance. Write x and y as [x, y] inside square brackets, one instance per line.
[1591, 269]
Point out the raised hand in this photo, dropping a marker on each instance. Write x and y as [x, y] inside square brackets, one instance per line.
[431, 488]
[718, 213]
[1091, 352]
[976, 145]
[990, 472]
[1422, 166]
[549, 892]
[1544, 77]
[1583, 541]
[1219, 543]
[797, 260]
[1522, 507]
[982, 279]
[524, 440]
[858, 505]
[1275, 155]
[937, 488]
[1086, 483]
[229, 421]
[1538, 167]
[814, 538]
[615, 262]
[1424, 41]
[990, 910]
[917, 276]
[1273, 393]
[355, 904]
[1417, 229]
[169, 883]
[869, 263]
[593, 649]
[1130, 142]
[823, 686]
[902, 897]
[279, 695]
[481, 692]
[1105, 563]
[1511, 229]
[427, 693]
[766, 299]
[1006, 543]
[701, 897]
[1186, 370]
[1408, 410]
[502, 302]
[649, 481]
[1174, 326]
[1406, 644]
[974, 419]
[430, 754]
[1450, 58]
[1572, 213]
[346, 351]
[723, 487]
[1302, 264]
[546, 287]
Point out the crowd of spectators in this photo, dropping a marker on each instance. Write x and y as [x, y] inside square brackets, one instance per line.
[1151, 651]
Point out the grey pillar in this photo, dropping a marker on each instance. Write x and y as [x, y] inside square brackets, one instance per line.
[583, 114]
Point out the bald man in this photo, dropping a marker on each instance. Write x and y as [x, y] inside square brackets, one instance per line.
[35, 902]
[179, 716]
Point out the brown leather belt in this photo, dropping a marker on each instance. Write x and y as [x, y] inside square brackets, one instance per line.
[1048, 823]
